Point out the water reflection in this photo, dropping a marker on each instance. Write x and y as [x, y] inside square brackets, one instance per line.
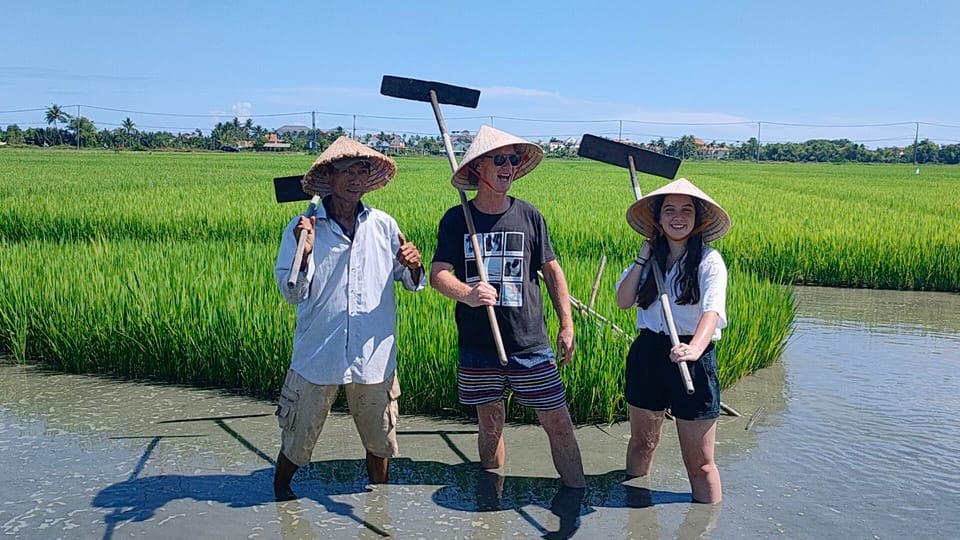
[465, 488]
[853, 434]
[96, 410]
[190, 449]
[866, 444]
[893, 312]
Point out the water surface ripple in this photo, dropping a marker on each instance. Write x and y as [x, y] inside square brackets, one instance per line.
[853, 434]
[866, 445]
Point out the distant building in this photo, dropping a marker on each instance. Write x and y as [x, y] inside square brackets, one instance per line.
[710, 150]
[397, 146]
[460, 140]
[570, 144]
[274, 144]
[284, 130]
[719, 152]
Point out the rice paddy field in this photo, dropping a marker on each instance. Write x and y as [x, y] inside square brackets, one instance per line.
[160, 265]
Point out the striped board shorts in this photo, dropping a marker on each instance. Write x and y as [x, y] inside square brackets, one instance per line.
[532, 377]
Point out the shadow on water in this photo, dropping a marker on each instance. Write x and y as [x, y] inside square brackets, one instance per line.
[465, 487]
[853, 435]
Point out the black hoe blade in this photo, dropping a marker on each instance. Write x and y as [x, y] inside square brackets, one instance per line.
[288, 189]
[418, 90]
[616, 153]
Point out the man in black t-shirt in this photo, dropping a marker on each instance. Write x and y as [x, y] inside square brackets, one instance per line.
[514, 243]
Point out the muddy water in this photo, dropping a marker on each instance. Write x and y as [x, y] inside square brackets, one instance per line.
[853, 435]
[866, 444]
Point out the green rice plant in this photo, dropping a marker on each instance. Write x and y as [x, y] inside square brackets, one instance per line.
[143, 309]
[208, 313]
[160, 265]
[836, 225]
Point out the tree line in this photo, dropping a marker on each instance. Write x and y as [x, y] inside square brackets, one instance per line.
[814, 150]
[64, 129]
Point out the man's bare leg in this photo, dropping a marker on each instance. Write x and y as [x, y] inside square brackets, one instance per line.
[490, 417]
[282, 476]
[378, 468]
[563, 446]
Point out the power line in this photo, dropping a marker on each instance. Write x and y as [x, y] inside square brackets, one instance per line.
[938, 125]
[604, 127]
[22, 110]
[740, 123]
[790, 124]
[548, 121]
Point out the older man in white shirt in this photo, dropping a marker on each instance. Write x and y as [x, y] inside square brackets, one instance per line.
[346, 310]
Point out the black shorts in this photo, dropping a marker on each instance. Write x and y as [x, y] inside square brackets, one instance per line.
[653, 381]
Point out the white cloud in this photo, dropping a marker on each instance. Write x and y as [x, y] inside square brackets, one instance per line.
[241, 110]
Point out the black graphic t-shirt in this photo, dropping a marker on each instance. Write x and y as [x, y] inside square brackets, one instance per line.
[514, 245]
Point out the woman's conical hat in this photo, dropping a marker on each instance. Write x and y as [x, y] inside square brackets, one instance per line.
[714, 222]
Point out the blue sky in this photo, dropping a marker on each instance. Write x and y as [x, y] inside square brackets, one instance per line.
[641, 69]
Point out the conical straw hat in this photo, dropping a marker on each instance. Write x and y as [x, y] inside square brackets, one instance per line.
[489, 139]
[382, 168]
[715, 221]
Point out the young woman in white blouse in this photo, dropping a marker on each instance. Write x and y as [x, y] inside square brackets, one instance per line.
[676, 221]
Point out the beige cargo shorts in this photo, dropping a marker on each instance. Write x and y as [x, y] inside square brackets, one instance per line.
[304, 407]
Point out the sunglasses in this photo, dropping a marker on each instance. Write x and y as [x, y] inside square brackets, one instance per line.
[500, 159]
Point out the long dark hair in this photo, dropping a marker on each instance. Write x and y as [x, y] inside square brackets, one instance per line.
[687, 285]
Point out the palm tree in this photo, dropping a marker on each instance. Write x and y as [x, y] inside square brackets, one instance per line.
[54, 115]
[129, 127]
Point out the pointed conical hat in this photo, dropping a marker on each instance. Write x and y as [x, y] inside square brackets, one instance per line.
[382, 168]
[489, 139]
[715, 221]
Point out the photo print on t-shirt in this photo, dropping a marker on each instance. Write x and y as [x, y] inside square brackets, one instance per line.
[492, 244]
[511, 294]
[471, 268]
[492, 264]
[513, 244]
[513, 269]
[503, 261]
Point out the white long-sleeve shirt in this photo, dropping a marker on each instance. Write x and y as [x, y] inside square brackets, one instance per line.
[713, 297]
[346, 308]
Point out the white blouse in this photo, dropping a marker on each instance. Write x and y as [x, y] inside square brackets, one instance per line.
[713, 297]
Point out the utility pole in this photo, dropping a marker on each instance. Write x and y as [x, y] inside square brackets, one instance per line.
[916, 142]
[620, 131]
[758, 142]
[354, 127]
[78, 128]
[313, 125]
